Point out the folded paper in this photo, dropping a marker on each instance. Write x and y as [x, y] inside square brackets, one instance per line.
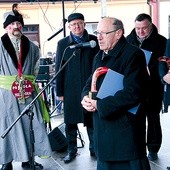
[109, 89]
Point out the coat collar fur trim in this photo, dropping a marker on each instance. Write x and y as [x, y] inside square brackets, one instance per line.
[25, 45]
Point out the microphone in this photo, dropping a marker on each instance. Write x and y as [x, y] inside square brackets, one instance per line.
[91, 44]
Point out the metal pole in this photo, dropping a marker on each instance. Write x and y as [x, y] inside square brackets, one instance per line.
[103, 8]
[64, 28]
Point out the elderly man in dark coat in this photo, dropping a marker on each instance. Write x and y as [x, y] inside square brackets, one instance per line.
[145, 35]
[71, 80]
[119, 135]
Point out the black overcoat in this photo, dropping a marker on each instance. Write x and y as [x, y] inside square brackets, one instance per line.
[118, 134]
[163, 70]
[73, 77]
[155, 43]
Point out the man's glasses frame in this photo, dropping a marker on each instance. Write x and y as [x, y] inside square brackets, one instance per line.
[104, 33]
[75, 24]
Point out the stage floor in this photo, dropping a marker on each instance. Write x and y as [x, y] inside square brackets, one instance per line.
[84, 161]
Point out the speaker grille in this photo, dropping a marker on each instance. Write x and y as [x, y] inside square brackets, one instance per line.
[58, 139]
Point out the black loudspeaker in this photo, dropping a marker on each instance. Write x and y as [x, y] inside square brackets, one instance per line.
[58, 139]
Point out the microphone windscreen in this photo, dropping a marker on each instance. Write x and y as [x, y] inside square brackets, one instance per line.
[92, 43]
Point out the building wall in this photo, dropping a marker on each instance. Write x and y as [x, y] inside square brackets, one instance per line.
[164, 18]
[50, 16]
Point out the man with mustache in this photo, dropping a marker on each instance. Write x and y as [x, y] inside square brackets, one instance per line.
[19, 63]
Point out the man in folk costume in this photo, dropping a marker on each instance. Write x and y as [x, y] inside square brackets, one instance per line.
[19, 63]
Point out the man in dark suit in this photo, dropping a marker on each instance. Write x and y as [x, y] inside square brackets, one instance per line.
[71, 80]
[119, 135]
[164, 72]
[145, 35]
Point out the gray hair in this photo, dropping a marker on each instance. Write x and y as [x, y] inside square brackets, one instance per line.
[118, 24]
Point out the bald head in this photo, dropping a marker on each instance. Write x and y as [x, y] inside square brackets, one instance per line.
[109, 31]
[112, 23]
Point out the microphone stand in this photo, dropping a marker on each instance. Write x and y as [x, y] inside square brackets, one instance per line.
[32, 140]
[28, 110]
[55, 34]
[60, 30]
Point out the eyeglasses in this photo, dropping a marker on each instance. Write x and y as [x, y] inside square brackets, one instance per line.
[143, 28]
[77, 24]
[104, 33]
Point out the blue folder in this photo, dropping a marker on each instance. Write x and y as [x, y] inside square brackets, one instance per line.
[109, 88]
[147, 55]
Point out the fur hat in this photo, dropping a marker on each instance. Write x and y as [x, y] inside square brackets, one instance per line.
[75, 16]
[12, 16]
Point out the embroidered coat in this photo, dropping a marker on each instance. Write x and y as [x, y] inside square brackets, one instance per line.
[16, 144]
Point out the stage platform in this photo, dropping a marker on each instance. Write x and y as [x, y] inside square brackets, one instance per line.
[84, 161]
